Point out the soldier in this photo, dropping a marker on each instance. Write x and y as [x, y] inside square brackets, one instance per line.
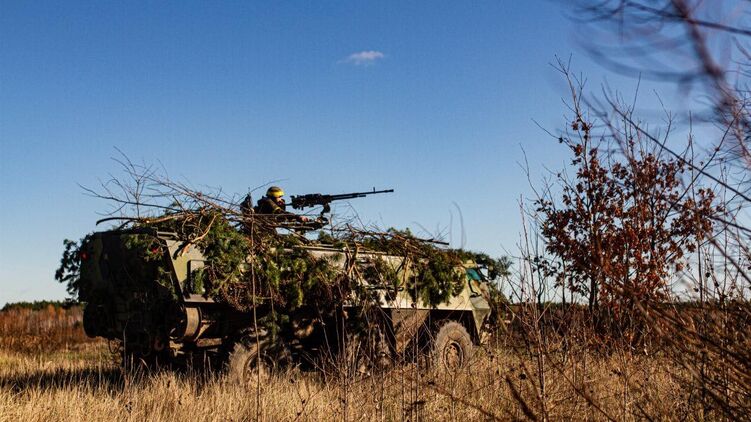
[273, 203]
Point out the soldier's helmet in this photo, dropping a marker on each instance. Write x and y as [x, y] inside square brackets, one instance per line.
[275, 192]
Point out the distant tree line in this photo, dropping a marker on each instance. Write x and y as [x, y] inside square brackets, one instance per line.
[38, 305]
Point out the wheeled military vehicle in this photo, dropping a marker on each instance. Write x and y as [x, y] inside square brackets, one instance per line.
[156, 311]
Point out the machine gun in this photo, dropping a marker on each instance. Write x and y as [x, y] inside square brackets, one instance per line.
[313, 199]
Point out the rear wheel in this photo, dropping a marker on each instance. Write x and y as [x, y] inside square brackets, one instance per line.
[135, 362]
[452, 348]
[368, 352]
[245, 364]
[252, 360]
[142, 352]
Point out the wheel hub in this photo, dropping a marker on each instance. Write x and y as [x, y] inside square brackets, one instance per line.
[453, 356]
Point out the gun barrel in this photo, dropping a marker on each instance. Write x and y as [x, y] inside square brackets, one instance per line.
[358, 194]
[313, 199]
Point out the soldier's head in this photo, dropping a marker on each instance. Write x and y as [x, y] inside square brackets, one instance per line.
[275, 193]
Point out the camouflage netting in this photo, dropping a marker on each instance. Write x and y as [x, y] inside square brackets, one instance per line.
[248, 263]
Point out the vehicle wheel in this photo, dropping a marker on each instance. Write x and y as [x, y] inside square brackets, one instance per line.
[368, 353]
[137, 363]
[452, 347]
[138, 356]
[246, 365]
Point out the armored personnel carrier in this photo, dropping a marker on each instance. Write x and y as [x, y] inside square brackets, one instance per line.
[154, 306]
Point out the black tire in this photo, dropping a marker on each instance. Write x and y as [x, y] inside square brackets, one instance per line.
[137, 356]
[244, 365]
[452, 348]
[137, 363]
[367, 353]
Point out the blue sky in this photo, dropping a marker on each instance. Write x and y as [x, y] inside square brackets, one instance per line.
[433, 99]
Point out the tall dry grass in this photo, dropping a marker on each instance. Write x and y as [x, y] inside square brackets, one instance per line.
[500, 384]
[523, 372]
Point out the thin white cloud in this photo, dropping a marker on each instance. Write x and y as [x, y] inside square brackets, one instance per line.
[363, 58]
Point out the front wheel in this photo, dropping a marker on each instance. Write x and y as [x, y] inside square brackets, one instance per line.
[452, 348]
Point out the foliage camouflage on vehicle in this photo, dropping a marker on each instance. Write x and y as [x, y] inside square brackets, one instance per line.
[285, 273]
[286, 282]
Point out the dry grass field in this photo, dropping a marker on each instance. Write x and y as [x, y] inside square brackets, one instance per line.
[82, 382]
[85, 385]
